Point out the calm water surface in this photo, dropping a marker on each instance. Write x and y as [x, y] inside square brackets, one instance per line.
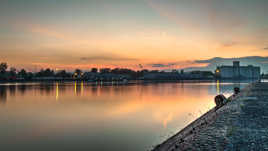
[79, 116]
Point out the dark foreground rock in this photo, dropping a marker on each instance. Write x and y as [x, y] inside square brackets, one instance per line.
[241, 124]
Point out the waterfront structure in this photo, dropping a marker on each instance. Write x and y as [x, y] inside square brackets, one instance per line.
[238, 72]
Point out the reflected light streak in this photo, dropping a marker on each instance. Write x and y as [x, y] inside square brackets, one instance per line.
[82, 88]
[218, 87]
[169, 118]
[75, 88]
[57, 91]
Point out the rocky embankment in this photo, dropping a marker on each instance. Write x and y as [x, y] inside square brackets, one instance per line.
[241, 124]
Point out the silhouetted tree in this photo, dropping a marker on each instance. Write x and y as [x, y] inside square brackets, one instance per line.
[207, 73]
[13, 71]
[45, 73]
[115, 71]
[154, 71]
[203, 73]
[30, 75]
[62, 74]
[3, 67]
[49, 73]
[40, 73]
[22, 73]
[139, 74]
[94, 70]
[131, 73]
[105, 70]
[145, 71]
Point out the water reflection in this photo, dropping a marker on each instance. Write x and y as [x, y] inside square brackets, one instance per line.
[81, 115]
[12, 90]
[218, 87]
[22, 88]
[57, 91]
[3, 94]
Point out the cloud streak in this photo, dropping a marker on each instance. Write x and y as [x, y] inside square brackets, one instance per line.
[229, 44]
[162, 65]
[106, 58]
[175, 65]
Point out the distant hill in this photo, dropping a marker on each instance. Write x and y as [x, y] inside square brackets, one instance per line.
[244, 61]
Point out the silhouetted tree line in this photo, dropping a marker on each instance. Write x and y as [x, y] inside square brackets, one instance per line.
[203, 73]
[14, 74]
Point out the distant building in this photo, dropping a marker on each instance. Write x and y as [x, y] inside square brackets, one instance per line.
[238, 72]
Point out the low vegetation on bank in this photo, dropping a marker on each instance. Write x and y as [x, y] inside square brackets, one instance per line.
[104, 74]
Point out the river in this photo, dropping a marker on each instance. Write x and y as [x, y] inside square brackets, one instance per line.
[82, 116]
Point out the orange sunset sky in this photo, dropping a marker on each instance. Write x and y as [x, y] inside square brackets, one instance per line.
[126, 33]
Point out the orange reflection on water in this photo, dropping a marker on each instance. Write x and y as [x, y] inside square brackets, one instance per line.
[159, 103]
[169, 118]
[126, 112]
[75, 87]
[218, 87]
[57, 91]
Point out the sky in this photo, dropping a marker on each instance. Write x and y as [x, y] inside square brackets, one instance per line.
[137, 34]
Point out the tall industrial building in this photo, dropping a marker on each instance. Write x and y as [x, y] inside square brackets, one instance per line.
[238, 72]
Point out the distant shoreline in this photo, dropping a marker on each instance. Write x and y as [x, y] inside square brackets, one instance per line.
[128, 82]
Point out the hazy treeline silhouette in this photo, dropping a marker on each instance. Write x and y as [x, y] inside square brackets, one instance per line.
[12, 73]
